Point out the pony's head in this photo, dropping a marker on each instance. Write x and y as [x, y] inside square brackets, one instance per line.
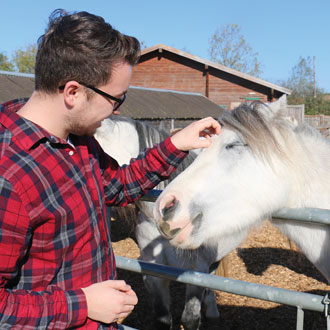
[241, 178]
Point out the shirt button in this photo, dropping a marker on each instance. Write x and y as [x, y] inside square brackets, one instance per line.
[71, 152]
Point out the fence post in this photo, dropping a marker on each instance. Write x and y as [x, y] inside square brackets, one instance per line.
[326, 302]
[300, 319]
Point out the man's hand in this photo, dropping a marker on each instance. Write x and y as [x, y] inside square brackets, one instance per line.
[190, 137]
[109, 301]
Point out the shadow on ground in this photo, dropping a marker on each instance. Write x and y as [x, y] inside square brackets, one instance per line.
[257, 260]
[232, 317]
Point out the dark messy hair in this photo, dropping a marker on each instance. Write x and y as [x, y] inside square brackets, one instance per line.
[81, 47]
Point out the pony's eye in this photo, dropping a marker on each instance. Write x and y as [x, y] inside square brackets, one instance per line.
[235, 144]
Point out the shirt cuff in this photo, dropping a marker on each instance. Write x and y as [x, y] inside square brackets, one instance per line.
[77, 307]
[171, 153]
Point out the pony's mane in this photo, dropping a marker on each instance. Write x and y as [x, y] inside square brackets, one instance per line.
[257, 126]
[149, 135]
[118, 119]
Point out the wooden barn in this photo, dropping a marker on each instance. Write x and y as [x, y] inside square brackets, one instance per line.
[164, 67]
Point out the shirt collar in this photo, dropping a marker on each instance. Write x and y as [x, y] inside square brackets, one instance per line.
[25, 132]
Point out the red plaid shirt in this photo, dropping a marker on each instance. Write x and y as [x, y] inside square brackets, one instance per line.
[54, 238]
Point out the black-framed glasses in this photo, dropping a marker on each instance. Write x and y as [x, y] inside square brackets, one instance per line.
[118, 102]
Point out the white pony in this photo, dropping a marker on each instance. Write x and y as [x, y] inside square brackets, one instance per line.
[123, 139]
[261, 162]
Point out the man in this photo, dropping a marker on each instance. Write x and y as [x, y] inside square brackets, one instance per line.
[57, 268]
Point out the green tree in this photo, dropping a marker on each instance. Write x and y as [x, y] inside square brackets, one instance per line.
[24, 59]
[301, 82]
[317, 105]
[5, 65]
[229, 48]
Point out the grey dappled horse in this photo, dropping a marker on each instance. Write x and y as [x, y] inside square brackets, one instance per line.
[123, 138]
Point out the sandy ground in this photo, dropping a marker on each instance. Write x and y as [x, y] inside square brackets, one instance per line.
[265, 257]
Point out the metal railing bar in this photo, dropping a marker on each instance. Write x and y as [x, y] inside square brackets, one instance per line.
[151, 195]
[125, 327]
[307, 214]
[278, 295]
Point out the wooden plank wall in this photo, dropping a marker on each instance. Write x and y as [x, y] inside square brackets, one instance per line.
[184, 75]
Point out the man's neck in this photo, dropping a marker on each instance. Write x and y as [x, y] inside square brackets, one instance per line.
[46, 111]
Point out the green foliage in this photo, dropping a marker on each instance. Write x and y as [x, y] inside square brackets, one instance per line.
[5, 65]
[229, 48]
[301, 80]
[301, 83]
[313, 105]
[318, 105]
[24, 59]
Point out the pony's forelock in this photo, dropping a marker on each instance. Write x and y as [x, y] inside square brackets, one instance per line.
[259, 128]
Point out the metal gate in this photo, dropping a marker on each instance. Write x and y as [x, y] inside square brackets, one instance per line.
[302, 301]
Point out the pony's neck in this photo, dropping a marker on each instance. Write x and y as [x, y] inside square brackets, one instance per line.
[309, 171]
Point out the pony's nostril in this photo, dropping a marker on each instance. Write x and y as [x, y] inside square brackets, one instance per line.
[169, 208]
[171, 203]
[166, 231]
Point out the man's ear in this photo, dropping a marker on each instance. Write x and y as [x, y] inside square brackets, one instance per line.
[71, 92]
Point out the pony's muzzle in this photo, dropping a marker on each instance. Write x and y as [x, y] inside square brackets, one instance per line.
[167, 208]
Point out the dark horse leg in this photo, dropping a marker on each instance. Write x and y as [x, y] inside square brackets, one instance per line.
[191, 316]
[158, 289]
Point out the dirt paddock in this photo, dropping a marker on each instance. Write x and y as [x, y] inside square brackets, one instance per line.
[265, 257]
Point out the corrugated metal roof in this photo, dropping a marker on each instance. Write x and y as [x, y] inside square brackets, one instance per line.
[141, 103]
[216, 66]
[148, 103]
[15, 85]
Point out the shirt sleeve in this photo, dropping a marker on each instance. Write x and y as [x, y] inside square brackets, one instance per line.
[128, 183]
[51, 309]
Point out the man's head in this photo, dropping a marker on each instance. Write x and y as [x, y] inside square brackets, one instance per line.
[80, 47]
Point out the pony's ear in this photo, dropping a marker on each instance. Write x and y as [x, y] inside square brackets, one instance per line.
[279, 106]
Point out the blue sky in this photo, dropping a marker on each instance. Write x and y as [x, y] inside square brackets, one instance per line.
[279, 31]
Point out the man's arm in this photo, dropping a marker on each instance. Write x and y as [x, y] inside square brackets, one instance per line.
[126, 184]
[53, 308]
